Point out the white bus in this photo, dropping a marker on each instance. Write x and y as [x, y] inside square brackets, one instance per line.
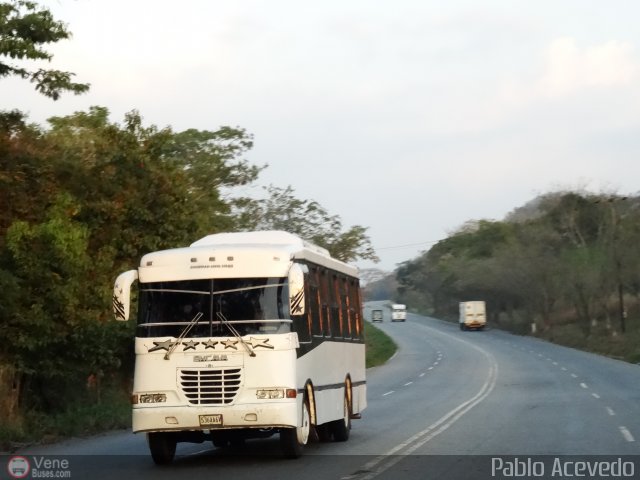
[245, 335]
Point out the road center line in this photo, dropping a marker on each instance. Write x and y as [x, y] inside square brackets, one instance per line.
[388, 393]
[595, 395]
[610, 411]
[422, 374]
[574, 375]
[407, 384]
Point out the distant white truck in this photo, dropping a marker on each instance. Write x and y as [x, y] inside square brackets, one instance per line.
[398, 312]
[473, 315]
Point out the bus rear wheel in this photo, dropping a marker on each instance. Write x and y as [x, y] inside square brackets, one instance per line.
[293, 440]
[162, 446]
[342, 428]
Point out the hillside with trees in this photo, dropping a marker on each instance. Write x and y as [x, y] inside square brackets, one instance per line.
[564, 267]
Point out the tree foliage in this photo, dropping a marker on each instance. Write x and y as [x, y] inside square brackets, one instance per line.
[25, 29]
[282, 210]
[565, 258]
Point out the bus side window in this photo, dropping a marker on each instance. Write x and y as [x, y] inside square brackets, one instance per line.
[348, 284]
[336, 310]
[358, 322]
[315, 303]
[325, 297]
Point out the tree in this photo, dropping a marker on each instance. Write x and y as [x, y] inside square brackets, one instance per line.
[25, 27]
[281, 210]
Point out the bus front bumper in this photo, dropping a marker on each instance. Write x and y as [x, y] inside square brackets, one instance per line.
[271, 415]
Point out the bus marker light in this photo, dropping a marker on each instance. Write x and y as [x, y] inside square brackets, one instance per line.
[291, 393]
[171, 420]
[251, 417]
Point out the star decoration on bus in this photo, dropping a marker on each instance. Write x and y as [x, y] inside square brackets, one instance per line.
[166, 345]
[260, 342]
[190, 345]
[230, 344]
[210, 344]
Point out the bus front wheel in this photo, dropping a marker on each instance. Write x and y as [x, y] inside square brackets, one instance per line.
[293, 440]
[162, 446]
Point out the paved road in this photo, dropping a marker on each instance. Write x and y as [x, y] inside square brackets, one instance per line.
[443, 407]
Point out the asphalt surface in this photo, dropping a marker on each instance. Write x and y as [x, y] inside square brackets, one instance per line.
[449, 404]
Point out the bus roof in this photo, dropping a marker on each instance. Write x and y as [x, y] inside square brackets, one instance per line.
[237, 255]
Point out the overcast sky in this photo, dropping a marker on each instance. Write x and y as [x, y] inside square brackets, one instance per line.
[407, 117]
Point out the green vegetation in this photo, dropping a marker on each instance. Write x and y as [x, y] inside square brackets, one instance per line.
[564, 266]
[380, 347]
[25, 27]
[82, 416]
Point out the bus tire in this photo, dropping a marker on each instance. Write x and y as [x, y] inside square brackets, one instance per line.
[162, 446]
[324, 432]
[293, 440]
[340, 429]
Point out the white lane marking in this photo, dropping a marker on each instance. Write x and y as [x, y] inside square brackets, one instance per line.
[383, 462]
[610, 411]
[627, 434]
[574, 375]
[422, 375]
[584, 385]
[595, 395]
[407, 384]
[430, 368]
[388, 393]
[564, 369]
[436, 363]
[555, 363]
[200, 452]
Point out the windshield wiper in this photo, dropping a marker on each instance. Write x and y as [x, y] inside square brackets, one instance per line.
[183, 334]
[235, 333]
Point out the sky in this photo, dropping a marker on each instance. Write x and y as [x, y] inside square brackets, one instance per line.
[409, 117]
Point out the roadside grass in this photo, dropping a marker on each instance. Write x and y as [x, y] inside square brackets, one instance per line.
[79, 419]
[379, 346]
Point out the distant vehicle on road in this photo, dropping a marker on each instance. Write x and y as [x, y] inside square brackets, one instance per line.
[398, 312]
[376, 315]
[473, 315]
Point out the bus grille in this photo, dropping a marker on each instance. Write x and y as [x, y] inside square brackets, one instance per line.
[210, 387]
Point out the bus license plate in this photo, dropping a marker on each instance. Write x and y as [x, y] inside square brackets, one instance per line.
[208, 420]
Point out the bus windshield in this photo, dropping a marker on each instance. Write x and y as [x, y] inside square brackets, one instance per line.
[252, 305]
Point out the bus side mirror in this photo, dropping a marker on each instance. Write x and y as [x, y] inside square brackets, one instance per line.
[296, 288]
[122, 294]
